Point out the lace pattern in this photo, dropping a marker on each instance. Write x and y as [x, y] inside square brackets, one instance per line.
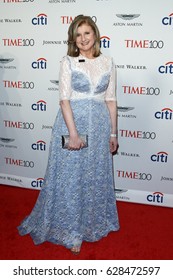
[92, 77]
[77, 201]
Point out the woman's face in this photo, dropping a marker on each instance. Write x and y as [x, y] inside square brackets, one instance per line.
[85, 39]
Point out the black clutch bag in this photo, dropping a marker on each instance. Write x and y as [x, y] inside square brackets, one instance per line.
[65, 140]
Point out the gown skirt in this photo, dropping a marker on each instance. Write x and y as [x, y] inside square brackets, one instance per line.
[77, 201]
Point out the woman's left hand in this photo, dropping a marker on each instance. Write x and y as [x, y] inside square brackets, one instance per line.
[113, 143]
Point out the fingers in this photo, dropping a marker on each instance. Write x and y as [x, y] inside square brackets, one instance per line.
[76, 147]
[113, 147]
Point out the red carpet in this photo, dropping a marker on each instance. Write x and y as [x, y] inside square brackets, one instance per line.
[146, 233]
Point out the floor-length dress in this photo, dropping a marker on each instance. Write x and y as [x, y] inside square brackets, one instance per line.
[77, 201]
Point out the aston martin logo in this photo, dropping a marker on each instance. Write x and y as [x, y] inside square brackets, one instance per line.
[56, 82]
[128, 16]
[120, 190]
[6, 140]
[125, 109]
[6, 60]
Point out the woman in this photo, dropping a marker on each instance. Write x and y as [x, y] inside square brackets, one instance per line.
[77, 201]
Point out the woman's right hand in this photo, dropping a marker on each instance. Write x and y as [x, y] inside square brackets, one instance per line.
[75, 143]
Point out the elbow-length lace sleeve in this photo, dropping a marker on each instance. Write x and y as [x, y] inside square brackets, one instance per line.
[65, 79]
[111, 90]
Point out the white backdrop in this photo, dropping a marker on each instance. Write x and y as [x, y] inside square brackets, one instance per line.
[138, 35]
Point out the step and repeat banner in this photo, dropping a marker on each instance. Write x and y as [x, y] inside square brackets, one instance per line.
[138, 35]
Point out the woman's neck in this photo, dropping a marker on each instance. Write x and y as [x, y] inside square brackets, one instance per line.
[87, 55]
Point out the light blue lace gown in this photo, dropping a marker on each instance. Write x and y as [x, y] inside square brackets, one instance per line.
[77, 201]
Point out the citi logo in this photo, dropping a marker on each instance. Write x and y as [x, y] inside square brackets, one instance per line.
[39, 106]
[41, 63]
[105, 42]
[41, 19]
[168, 20]
[164, 114]
[37, 183]
[167, 68]
[39, 146]
[155, 197]
[160, 157]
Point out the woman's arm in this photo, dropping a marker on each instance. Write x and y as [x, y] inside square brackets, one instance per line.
[111, 102]
[75, 143]
[112, 107]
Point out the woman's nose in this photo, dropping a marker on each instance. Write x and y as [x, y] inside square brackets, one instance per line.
[83, 37]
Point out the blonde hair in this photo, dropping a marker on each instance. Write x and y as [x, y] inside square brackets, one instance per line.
[72, 34]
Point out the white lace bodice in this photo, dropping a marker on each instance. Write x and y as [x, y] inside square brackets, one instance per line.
[91, 78]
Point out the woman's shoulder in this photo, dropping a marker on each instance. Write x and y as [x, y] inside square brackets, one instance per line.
[64, 58]
[106, 57]
[69, 59]
[107, 60]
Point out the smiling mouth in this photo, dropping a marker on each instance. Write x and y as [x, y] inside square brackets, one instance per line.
[84, 43]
